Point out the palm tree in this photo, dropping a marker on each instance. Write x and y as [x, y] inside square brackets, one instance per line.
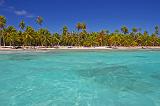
[22, 25]
[81, 26]
[84, 26]
[43, 37]
[65, 30]
[154, 40]
[55, 39]
[116, 31]
[134, 30]
[124, 30]
[156, 30]
[2, 25]
[10, 35]
[101, 38]
[78, 26]
[145, 37]
[39, 20]
[28, 36]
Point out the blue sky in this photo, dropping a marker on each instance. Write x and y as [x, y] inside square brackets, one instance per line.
[97, 14]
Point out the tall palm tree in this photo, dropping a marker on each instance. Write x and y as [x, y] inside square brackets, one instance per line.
[22, 25]
[39, 20]
[2, 25]
[134, 30]
[28, 36]
[84, 26]
[65, 30]
[55, 39]
[145, 37]
[43, 37]
[154, 40]
[124, 29]
[156, 30]
[10, 35]
[101, 38]
[78, 26]
[81, 26]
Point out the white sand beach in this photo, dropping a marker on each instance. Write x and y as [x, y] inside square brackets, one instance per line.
[9, 48]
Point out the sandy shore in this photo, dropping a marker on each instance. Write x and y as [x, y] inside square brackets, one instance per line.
[7, 48]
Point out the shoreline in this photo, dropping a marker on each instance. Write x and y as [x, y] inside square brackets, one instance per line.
[8, 48]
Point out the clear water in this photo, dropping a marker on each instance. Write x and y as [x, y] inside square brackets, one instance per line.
[80, 78]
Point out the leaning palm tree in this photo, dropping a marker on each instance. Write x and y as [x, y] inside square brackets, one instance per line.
[2, 25]
[39, 20]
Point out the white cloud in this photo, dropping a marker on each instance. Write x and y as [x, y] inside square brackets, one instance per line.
[23, 13]
[20, 12]
[30, 16]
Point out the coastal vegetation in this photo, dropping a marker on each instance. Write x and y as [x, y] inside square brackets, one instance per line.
[28, 36]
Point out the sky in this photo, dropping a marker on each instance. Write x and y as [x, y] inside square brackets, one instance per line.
[97, 14]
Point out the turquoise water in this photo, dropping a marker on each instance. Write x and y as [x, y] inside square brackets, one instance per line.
[80, 78]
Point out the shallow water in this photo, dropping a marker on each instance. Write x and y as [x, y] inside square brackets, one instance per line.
[80, 78]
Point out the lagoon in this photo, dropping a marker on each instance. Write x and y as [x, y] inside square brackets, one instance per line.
[80, 78]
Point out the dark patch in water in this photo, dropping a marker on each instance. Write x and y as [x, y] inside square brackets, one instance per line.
[156, 76]
[119, 78]
[22, 57]
[140, 56]
[103, 71]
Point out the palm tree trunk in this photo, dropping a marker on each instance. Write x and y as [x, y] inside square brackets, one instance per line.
[4, 44]
[0, 40]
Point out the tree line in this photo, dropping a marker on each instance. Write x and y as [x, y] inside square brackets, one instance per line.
[28, 36]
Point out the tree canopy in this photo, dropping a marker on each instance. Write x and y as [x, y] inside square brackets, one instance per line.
[28, 36]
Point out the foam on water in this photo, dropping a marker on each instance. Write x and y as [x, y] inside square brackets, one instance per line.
[80, 78]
